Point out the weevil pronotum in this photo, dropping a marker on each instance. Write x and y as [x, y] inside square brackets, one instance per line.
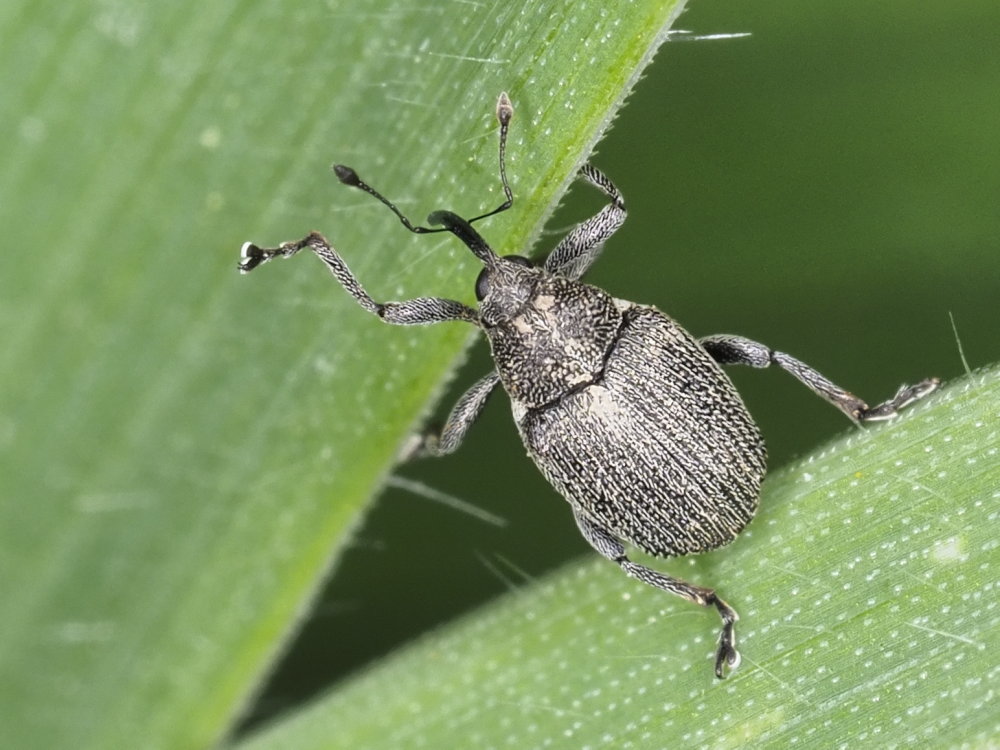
[628, 416]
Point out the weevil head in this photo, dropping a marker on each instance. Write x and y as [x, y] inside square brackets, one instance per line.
[505, 284]
[548, 334]
[504, 287]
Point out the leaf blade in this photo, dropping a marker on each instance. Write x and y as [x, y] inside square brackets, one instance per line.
[855, 612]
[185, 452]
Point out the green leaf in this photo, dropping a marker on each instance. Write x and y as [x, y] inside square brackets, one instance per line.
[184, 452]
[867, 591]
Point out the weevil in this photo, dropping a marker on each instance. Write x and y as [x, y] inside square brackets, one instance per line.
[627, 415]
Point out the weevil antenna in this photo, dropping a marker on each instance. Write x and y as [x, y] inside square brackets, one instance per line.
[505, 112]
[349, 177]
[449, 221]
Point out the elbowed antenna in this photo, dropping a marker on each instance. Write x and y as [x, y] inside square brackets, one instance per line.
[504, 114]
[450, 221]
[349, 177]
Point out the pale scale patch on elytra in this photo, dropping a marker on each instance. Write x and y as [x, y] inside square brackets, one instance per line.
[599, 402]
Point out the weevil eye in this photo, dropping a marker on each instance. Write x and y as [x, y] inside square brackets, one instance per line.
[483, 280]
[482, 284]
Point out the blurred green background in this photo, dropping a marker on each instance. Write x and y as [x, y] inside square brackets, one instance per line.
[828, 185]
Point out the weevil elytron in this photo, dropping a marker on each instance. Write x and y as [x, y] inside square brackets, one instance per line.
[627, 415]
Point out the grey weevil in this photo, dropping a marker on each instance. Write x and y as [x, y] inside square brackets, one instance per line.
[625, 413]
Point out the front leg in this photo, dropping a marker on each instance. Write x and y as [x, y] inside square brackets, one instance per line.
[736, 350]
[581, 247]
[419, 311]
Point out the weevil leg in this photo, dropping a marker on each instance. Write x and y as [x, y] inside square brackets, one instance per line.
[419, 311]
[463, 415]
[608, 546]
[581, 247]
[736, 350]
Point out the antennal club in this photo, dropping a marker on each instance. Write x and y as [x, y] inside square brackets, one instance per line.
[349, 177]
[504, 114]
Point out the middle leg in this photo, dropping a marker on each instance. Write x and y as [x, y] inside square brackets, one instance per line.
[463, 415]
[736, 350]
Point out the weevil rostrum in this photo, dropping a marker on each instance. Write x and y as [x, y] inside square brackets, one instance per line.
[625, 413]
